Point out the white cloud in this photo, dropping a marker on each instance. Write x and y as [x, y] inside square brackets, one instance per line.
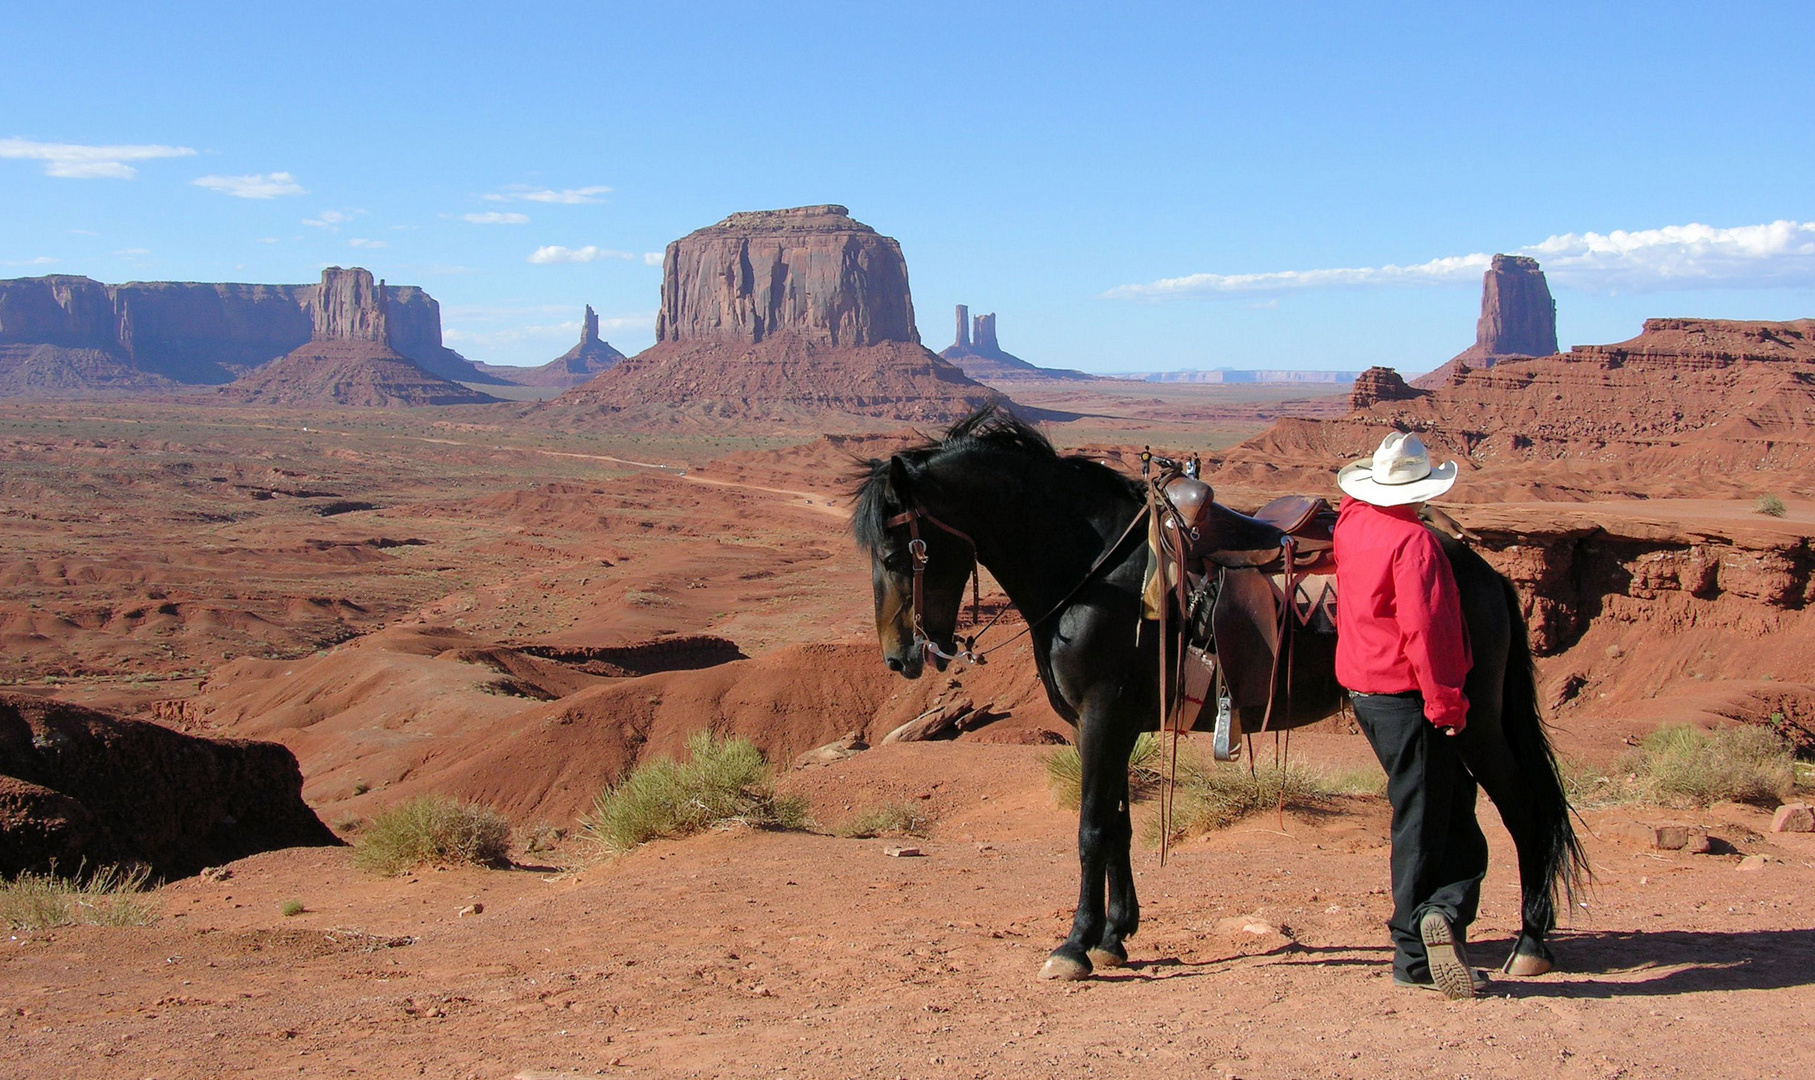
[41, 260]
[253, 185]
[1682, 257]
[267, 239]
[332, 220]
[362, 242]
[496, 217]
[84, 232]
[652, 258]
[78, 162]
[133, 253]
[565, 197]
[555, 253]
[1435, 272]
[1650, 260]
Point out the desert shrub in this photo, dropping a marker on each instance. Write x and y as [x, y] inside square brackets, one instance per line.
[1065, 771]
[292, 907]
[1678, 765]
[888, 819]
[113, 896]
[724, 781]
[1769, 504]
[431, 828]
[1212, 795]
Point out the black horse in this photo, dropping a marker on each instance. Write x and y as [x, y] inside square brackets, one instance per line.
[1055, 532]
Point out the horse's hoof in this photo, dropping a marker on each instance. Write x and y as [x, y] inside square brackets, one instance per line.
[1103, 958]
[1064, 968]
[1524, 965]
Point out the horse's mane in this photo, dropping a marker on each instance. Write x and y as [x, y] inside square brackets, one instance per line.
[991, 428]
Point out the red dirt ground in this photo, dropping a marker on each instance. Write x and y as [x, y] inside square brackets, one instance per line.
[203, 566]
[769, 955]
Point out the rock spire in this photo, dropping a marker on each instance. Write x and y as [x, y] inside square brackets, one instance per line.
[1518, 318]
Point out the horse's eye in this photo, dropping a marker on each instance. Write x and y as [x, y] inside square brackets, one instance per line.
[895, 563]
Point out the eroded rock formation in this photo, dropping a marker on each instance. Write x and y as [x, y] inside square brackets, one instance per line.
[982, 357]
[592, 355]
[791, 316]
[1518, 318]
[195, 333]
[82, 787]
[812, 272]
[1380, 384]
[1703, 408]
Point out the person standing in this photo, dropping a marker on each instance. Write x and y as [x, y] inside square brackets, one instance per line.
[1402, 653]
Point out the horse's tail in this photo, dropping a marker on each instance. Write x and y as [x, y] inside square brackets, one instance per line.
[1563, 862]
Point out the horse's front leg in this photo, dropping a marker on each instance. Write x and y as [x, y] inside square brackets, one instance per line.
[1124, 907]
[1103, 841]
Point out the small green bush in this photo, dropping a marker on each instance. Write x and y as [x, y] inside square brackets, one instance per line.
[431, 828]
[1065, 771]
[1681, 766]
[723, 781]
[889, 819]
[292, 907]
[1770, 505]
[112, 896]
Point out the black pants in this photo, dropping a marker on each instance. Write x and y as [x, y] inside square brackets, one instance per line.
[1439, 854]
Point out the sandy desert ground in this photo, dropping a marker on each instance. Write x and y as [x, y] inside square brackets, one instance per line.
[432, 600]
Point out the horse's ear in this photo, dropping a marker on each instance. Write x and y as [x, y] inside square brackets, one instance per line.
[898, 476]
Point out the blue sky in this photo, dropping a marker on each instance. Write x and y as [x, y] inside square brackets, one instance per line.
[1130, 187]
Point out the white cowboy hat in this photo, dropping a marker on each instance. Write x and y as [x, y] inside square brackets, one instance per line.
[1399, 473]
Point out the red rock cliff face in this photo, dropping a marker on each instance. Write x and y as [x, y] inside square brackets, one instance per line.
[1518, 316]
[811, 272]
[349, 306]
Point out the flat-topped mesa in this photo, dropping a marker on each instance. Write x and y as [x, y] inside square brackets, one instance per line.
[810, 272]
[1707, 343]
[349, 306]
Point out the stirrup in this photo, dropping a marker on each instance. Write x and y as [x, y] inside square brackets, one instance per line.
[1228, 743]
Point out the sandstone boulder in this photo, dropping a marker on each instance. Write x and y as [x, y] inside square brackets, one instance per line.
[1380, 384]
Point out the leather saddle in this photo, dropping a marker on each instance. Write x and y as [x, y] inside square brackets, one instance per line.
[1269, 581]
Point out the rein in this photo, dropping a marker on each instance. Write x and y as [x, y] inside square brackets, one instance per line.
[917, 551]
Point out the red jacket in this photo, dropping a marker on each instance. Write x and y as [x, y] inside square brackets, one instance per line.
[1398, 613]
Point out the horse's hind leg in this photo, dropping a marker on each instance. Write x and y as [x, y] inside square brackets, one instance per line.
[1103, 840]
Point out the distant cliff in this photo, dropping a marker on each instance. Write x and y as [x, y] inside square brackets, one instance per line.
[780, 317]
[204, 333]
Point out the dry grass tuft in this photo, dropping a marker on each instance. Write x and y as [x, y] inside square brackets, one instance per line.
[431, 828]
[1065, 771]
[723, 782]
[889, 819]
[1213, 795]
[113, 896]
[1770, 505]
[1682, 766]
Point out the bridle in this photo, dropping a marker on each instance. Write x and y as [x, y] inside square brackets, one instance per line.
[914, 514]
[912, 517]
